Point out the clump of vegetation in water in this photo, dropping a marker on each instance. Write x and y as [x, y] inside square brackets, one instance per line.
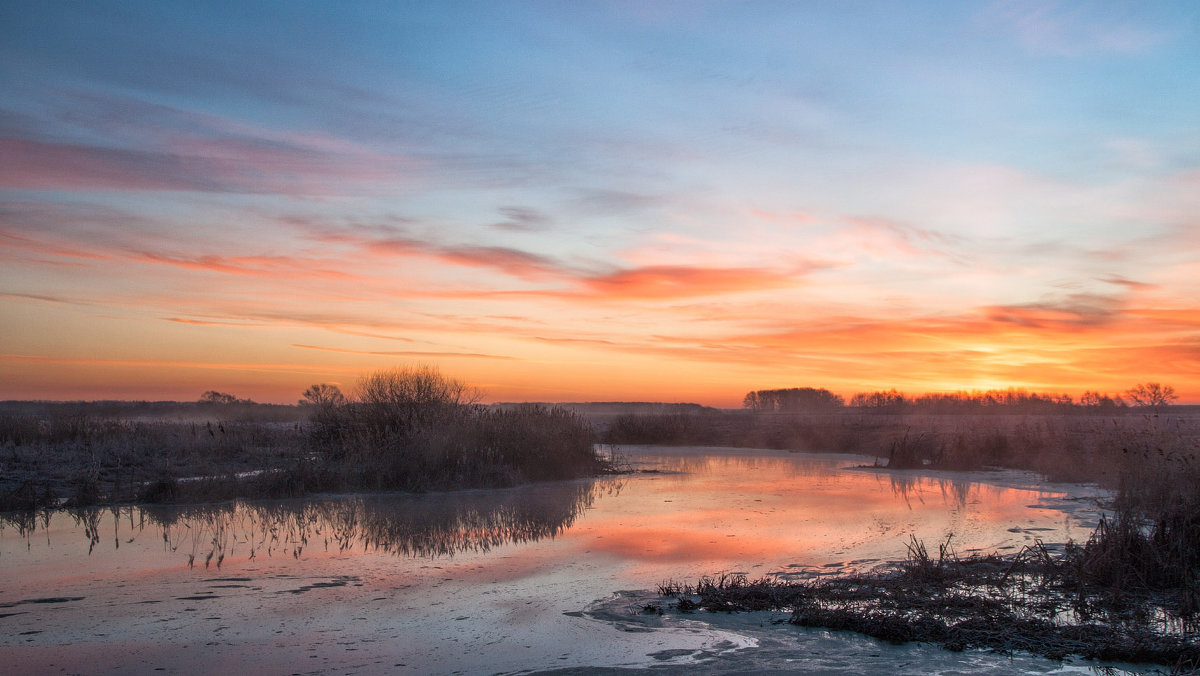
[415, 429]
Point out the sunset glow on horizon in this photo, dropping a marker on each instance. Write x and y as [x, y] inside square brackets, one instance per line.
[599, 201]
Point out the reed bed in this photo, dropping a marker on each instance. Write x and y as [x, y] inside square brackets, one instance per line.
[464, 445]
[79, 459]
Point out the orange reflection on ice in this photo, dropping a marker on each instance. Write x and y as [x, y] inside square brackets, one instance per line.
[734, 510]
[697, 511]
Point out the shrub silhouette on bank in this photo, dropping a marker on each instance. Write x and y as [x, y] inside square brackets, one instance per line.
[416, 429]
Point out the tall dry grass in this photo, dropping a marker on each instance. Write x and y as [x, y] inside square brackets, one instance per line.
[1151, 540]
[71, 458]
[1072, 447]
[461, 446]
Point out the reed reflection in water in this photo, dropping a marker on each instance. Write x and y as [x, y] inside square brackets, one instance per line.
[429, 525]
[954, 492]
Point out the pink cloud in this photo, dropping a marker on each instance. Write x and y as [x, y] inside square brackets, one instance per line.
[203, 165]
[262, 266]
[789, 218]
[514, 262]
[46, 248]
[43, 166]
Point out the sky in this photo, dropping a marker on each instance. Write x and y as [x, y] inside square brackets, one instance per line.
[598, 201]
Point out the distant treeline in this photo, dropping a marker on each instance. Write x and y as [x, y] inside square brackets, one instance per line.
[601, 409]
[820, 400]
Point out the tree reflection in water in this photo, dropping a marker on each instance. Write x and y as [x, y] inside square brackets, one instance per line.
[426, 525]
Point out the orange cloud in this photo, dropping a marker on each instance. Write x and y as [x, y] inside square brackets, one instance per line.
[678, 281]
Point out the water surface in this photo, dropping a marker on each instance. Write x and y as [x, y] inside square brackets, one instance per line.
[501, 581]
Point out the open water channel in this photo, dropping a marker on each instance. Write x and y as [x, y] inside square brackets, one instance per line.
[535, 578]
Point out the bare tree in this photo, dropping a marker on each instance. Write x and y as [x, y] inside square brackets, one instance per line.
[323, 395]
[215, 397]
[402, 399]
[881, 401]
[1102, 401]
[1151, 395]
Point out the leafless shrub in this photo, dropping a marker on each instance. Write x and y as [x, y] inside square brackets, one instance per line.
[415, 429]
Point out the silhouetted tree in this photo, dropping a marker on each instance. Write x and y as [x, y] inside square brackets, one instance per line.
[889, 401]
[323, 395]
[751, 401]
[399, 400]
[1151, 395]
[215, 397]
[993, 401]
[1104, 402]
[793, 399]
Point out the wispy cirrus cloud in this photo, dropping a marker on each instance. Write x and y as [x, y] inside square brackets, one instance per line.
[1075, 312]
[202, 166]
[1074, 29]
[507, 260]
[568, 280]
[1131, 284]
[890, 238]
[258, 266]
[162, 363]
[522, 219]
[407, 353]
[207, 322]
[44, 249]
[45, 298]
[148, 146]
